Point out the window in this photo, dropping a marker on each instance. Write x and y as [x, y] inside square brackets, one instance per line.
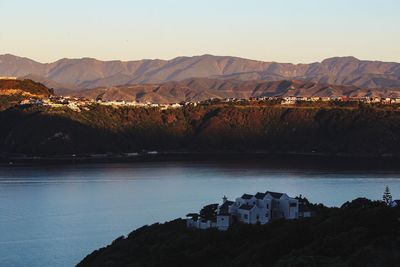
[246, 216]
[293, 204]
[267, 206]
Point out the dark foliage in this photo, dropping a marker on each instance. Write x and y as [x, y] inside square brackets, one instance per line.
[205, 128]
[365, 234]
[209, 212]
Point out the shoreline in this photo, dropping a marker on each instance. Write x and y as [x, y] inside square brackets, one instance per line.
[161, 156]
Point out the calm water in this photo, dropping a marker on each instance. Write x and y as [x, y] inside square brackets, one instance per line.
[54, 216]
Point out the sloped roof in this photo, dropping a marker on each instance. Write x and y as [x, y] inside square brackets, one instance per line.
[247, 196]
[246, 207]
[274, 194]
[260, 195]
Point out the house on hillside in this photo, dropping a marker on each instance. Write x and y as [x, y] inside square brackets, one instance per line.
[395, 203]
[290, 100]
[260, 208]
[305, 211]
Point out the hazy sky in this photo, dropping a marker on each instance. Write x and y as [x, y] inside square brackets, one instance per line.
[283, 31]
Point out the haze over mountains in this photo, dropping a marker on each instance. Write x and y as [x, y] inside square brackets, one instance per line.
[222, 73]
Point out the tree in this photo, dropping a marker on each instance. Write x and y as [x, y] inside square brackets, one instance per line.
[209, 212]
[194, 216]
[387, 196]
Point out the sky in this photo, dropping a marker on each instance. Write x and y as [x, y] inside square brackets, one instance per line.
[297, 31]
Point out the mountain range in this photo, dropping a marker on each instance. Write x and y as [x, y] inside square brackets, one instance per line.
[85, 73]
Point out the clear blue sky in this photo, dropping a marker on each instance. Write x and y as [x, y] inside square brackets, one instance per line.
[284, 30]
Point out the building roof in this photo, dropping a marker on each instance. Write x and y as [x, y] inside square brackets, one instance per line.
[274, 194]
[247, 196]
[260, 195]
[246, 207]
[396, 202]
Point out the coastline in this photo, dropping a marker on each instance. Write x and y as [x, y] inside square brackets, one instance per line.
[160, 156]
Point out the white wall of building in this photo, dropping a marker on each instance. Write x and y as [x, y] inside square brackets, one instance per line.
[262, 211]
[223, 222]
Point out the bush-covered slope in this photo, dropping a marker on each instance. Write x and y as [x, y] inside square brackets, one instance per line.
[27, 86]
[13, 91]
[210, 128]
[363, 234]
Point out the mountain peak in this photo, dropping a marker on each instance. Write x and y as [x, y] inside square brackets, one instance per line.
[339, 59]
[87, 73]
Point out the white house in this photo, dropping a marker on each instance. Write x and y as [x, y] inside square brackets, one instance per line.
[289, 100]
[200, 224]
[395, 203]
[223, 214]
[260, 208]
[305, 211]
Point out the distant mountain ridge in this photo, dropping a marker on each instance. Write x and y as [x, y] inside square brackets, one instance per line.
[198, 89]
[84, 73]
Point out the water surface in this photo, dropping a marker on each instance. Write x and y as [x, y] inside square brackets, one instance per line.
[55, 215]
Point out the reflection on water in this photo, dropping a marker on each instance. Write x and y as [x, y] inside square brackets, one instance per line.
[55, 215]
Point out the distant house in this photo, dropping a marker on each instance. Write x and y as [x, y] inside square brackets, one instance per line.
[305, 211]
[290, 100]
[395, 203]
[176, 105]
[260, 208]
[375, 100]
[223, 215]
[31, 101]
[25, 102]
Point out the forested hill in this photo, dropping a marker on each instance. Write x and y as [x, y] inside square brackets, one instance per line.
[26, 86]
[13, 91]
[310, 128]
[360, 234]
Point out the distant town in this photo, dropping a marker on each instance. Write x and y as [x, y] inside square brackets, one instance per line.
[77, 103]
